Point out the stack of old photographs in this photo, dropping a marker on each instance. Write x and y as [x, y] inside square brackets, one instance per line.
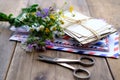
[85, 29]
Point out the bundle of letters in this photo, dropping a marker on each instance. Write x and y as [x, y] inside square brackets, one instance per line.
[85, 29]
[83, 35]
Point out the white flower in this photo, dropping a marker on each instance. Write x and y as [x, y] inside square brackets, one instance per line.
[53, 28]
[41, 27]
[33, 27]
[47, 18]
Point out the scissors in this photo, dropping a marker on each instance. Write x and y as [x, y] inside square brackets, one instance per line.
[85, 61]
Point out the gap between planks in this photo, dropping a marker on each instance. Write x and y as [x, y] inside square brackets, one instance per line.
[10, 61]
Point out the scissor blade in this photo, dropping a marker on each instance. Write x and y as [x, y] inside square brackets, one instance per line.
[55, 60]
[47, 58]
[66, 60]
[67, 66]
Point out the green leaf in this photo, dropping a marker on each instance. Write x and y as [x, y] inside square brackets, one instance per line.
[34, 5]
[3, 17]
[30, 9]
[10, 16]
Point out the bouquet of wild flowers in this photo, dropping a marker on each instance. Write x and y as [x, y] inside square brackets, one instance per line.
[41, 24]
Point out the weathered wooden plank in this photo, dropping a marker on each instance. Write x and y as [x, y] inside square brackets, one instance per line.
[7, 47]
[6, 50]
[106, 9]
[42, 70]
[20, 66]
[24, 67]
[115, 68]
[109, 10]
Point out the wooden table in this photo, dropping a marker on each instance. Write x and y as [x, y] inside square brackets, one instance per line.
[15, 64]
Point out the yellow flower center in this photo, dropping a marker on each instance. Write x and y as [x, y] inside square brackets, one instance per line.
[47, 30]
[33, 13]
[71, 8]
[61, 22]
[52, 17]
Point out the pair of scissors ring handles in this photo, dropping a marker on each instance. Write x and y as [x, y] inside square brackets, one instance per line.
[84, 61]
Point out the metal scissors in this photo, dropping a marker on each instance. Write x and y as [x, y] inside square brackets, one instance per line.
[85, 61]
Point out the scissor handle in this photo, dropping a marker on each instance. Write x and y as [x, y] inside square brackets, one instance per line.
[82, 74]
[87, 61]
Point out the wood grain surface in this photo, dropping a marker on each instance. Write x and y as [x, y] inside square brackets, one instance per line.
[6, 47]
[15, 64]
[108, 10]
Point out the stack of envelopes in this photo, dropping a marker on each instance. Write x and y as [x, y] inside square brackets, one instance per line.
[85, 29]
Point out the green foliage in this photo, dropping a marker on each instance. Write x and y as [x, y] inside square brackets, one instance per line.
[42, 23]
[30, 9]
[17, 21]
[4, 17]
